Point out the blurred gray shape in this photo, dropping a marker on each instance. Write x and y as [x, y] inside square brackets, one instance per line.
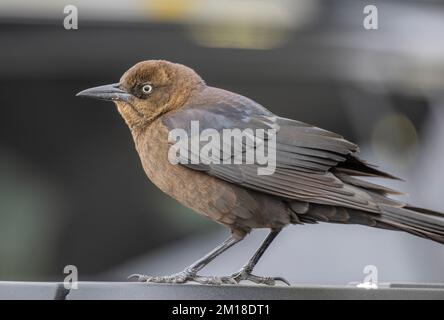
[31, 291]
[427, 174]
[405, 53]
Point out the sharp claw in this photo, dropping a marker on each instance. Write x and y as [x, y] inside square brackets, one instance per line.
[230, 280]
[248, 276]
[261, 280]
[283, 280]
[271, 281]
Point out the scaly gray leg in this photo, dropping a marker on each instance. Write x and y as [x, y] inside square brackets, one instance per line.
[245, 273]
[190, 273]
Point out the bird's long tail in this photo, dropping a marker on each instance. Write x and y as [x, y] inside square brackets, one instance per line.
[420, 222]
[417, 221]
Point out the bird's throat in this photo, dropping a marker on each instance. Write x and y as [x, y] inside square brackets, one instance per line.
[133, 118]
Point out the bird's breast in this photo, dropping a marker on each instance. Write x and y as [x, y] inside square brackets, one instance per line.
[205, 194]
[231, 205]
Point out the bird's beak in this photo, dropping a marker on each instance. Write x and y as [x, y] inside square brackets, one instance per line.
[109, 92]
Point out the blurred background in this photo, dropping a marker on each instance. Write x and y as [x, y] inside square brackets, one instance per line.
[72, 190]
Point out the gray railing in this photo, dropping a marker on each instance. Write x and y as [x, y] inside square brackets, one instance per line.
[131, 290]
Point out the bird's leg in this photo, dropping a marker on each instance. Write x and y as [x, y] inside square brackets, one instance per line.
[245, 273]
[190, 273]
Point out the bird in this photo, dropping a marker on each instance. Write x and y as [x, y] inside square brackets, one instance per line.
[318, 174]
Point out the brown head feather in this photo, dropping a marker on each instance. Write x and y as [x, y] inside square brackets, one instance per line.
[172, 85]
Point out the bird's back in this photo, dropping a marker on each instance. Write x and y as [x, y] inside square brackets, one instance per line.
[317, 170]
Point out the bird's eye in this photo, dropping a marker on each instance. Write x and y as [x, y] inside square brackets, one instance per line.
[146, 89]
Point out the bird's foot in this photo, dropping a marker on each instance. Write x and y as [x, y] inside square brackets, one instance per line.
[180, 277]
[188, 275]
[246, 275]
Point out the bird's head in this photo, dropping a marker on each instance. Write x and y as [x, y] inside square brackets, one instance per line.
[148, 90]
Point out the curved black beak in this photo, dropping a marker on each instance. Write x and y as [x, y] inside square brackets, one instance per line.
[109, 92]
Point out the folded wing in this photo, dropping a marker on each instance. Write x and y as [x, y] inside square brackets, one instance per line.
[312, 164]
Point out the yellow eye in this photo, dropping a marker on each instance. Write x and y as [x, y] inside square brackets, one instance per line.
[146, 89]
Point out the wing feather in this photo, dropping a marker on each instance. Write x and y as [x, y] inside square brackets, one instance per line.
[312, 164]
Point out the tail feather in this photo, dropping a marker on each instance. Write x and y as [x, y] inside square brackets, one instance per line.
[417, 221]
[421, 222]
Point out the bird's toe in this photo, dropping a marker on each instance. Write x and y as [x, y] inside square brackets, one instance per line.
[180, 277]
[244, 275]
[139, 277]
[270, 281]
[213, 280]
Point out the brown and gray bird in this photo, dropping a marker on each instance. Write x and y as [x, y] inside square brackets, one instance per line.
[315, 179]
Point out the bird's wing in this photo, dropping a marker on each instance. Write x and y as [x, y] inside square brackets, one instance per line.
[312, 164]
